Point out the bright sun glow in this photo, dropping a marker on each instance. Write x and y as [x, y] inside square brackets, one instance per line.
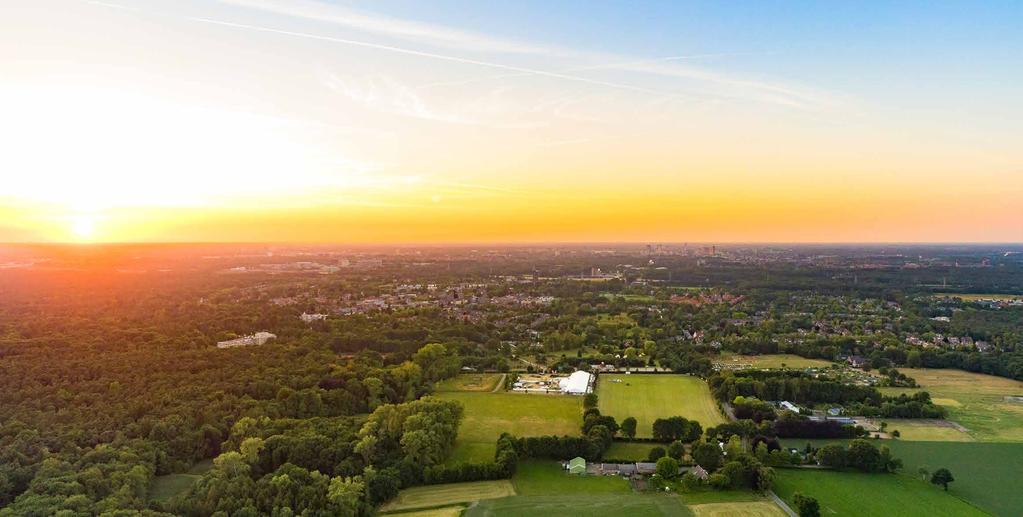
[83, 226]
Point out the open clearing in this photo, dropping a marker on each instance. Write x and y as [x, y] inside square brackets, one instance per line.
[882, 495]
[972, 297]
[169, 485]
[649, 397]
[487, 415]
[756, 509]
[771, 361]
[976, 401]
[470, 382]
[436, 496]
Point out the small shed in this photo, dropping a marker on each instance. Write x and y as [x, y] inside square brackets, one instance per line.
[577, 465]
[699, 472]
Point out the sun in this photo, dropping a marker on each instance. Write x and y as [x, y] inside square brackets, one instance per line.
[83, 226]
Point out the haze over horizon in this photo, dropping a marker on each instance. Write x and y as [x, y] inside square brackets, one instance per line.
[406, 122]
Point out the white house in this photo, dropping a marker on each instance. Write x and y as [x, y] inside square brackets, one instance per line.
[576, 384]
[259, 338]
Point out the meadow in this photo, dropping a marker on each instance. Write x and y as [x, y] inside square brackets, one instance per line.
[471, 382]
[631, 451]
[972, 297]
[599, 505]
[928, 431]
[976, 401]
[771, 361]
[169, 485]
[750, 509]
[439, 496]
[487, 415]
[447, 511]
[859, 494]
[649, 397]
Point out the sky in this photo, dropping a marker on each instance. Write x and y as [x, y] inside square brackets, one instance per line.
[528, 121]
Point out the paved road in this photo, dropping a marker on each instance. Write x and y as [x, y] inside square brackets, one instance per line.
[781, 503]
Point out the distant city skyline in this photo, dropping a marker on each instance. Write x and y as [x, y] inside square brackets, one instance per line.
[400, 121]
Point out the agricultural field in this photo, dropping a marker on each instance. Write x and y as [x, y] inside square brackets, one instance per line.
[637, 298]
[981, 403]
[632, 451]
[752, 509]
[882, 495]
[770, 361]
[649, 397]
[590, 505]
[471, 382]
[972, 297]
[437, 496]
[447, 511]
[487, 415]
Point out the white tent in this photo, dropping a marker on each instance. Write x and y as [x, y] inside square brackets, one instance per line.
[576, 384]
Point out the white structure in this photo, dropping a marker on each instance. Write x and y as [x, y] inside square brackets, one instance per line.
[576, 384]
[259, 338]
[309, 318]
[789, 406]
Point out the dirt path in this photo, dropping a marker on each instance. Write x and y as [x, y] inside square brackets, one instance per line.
[500, 383]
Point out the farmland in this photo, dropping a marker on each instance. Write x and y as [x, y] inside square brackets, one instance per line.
[471, 382]
[548, 478]
[751, 509]
[928, 431]
[435, 496]
[446, 511]
[601, 505]
[649, 397]
[976, 401]
[487, 415]
[632, 451]
[846, 493]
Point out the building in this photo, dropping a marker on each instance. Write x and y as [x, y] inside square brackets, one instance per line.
[576, 465]
[309, 318]
[699, 472]
[789, 406]
[578, 383]
[259, 338]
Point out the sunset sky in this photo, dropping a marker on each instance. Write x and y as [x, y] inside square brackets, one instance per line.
[519, 121]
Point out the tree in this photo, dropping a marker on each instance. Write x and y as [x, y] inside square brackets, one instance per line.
[806, 505]
[437, 362]
[676, 449]
[924, 473]
[832, 455]
[590, 400]
[656, 454]
[707, 455]
[942, 477]
[690, 482]
[667, 467]
[629, 427]
[734, 447]
[862, 455]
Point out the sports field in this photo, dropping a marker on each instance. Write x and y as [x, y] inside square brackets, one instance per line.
[435, 496]
[470, 382]
[754, 509]
[882, 495]
[487, 415]
[649, 397]
[770, 361]
[976, 401]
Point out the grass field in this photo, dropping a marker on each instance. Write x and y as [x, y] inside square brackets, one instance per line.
[754, 509]
[974, 400]
[590, 505]
[925, 431]
[858, 494]
[470, 382]
[772, 361]
[649, 397]
[709, 496]
[437, 496]
[632, 451]
[170, 485]
[447, 511]
[487, 415]
[548, 478]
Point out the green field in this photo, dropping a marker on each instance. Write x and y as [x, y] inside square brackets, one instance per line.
[471, 382]
[754, 509]
[167, 486]
[974, 400]
[590, 505]
[487, 415]
[972, 297]
[548, 478]
[709, 496]
[771, 361]
[927, 431]
[632, 451]
[649, 397]
[858, 494]
[436, 496]
[447, 511]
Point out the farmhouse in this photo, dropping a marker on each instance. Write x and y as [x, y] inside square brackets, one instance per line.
[576, 384]
[577, 465]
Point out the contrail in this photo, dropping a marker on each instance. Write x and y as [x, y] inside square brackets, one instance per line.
[398, 50]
